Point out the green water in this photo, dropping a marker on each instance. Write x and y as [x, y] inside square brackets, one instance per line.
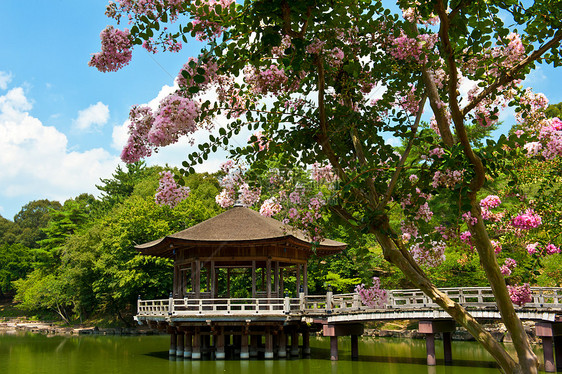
[38, 354]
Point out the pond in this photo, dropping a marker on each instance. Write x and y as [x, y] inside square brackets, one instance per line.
[38, 354]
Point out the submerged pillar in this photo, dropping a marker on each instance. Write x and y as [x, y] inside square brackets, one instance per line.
[447, 348]
[306, 342]
[196, 348]
[268, 344]
[244, 352]
[187, 346]
[180, 345]
[548, 349]
[282, 344]
[218, 340]
[354, 347]
[558, 351]
[430, 348]
[334, 348]
[173, 340]
[295, 342]
[254, 345]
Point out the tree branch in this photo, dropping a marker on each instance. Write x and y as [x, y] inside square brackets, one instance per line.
[510, 75]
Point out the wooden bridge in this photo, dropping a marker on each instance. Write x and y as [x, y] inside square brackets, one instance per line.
[339, 315]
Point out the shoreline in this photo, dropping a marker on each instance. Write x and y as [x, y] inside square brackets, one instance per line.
[18, 325]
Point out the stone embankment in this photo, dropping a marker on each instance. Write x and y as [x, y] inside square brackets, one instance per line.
[17, 325]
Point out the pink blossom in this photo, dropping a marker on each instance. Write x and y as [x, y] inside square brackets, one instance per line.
[424, 212]
[175, 117]
[490, 202]
[429, 254]
[374, 296]
[526, 221]
[138, 146]
[448, 178]
[323, 173]
[437, 152]
[191, 68]
[465, 237]
[115, 50]
[271, 80]
[552, 249]
[520, 295]
[497, 246]
[469, 219]
[169, 192]
[270, 207]
[413, 178]
[532, 248]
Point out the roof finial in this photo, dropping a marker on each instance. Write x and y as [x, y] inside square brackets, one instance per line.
[238, 202]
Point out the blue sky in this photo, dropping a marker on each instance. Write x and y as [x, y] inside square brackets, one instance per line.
[62, 123]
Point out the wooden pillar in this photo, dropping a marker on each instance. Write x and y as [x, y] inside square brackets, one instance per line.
[253, 279]
[298, 276]
[196, 349]
[548, 349]
[244, 352]
[213, 279]
[558, 351]
[333, 348]
[430, 348]
[197, 278]
[268, 343]
[281, 283]
[276, 280]
[228, 282]
[254, 345]
[282, 344]
[219, 344]
[447, 349]
[305, 278]
[354, 347]
[306, 342]
[180, 344]
[268, 278]
[187, 346]
[295, 342]
[208, 278]
[173, 342]
[176, 280]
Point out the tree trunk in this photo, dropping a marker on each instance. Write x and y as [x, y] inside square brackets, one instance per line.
[527, 358]
[456, 311]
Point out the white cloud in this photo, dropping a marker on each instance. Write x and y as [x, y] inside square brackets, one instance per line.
[94, 115]
[36, 162]
[5, 78]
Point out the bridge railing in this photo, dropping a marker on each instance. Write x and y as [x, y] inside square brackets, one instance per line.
[470, 297]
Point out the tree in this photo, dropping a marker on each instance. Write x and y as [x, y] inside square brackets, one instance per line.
[343, 75]
[32, 217]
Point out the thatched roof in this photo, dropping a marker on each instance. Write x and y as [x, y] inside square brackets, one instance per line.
[236, 226]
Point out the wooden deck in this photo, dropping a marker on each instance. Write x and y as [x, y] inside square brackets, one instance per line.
[402, 304]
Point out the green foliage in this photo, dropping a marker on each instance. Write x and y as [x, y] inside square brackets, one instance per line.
[15, 262]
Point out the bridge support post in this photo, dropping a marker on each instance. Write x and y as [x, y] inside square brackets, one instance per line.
[244, 352]
[268, 344]
[430, 328]
[180, 340]
[294, 342]
[354, 347]
[173, 341]
[551, 335]
[187, 347]
[447, 348]
[218, 340]
[306, 342]
[196, 352]
[334, 348]
[282, 344]
[254, 345]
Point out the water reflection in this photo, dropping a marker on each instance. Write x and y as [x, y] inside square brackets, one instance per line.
[36, 354]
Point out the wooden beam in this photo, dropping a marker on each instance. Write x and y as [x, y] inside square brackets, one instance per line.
[298, 275]
[253, 279]
[276, 280]
[268, 278]
[197, 280]
[213, 280]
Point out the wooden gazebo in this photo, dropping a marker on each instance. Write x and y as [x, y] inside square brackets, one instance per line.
[239, 239]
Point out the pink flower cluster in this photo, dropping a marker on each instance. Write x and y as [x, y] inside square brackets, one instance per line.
[169, 192]
[115, 50]
[138, 146]
[508, 266]
[448, 178]
[551, 134]
[429, 254]
[233, 183]
[527, 221]
[549, 249]
[490, 202]
[412, 49]
[271, 80]
[374, 296]
[270, 207]
[175, 117]
[469, 219]
[323, 174]
[497, 246]
[520, 295]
